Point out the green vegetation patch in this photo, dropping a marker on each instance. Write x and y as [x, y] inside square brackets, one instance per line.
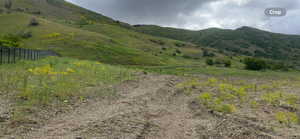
[42, 82]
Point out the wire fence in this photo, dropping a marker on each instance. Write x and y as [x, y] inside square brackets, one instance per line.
[10, 55]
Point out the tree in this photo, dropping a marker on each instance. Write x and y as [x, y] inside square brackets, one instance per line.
[8, 4]
[255, 64]
[210, 62]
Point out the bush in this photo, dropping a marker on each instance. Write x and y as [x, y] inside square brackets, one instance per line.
[8, 43]
[222, 62]
[178, 51]
[210, 62]
[255, 64]
[24, 34]
[10, 40]
[226, 108]
[33, 22]
[287, 118]
[8, 4]
[206, 53]
[227, 63]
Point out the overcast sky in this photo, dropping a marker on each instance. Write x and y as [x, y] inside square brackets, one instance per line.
[201, 14]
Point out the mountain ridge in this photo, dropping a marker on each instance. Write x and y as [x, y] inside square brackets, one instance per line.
[247, 41]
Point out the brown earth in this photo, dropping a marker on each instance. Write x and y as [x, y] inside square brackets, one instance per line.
[148, 108]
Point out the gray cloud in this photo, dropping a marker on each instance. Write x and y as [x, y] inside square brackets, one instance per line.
[200, 14]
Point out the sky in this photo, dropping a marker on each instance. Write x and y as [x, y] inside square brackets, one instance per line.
[201, 14]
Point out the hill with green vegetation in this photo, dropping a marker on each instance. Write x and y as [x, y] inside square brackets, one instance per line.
[242, 41]
[113, 81]
[79, 33]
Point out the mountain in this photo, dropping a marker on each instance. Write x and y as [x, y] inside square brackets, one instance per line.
[76, 32]
[242, 41]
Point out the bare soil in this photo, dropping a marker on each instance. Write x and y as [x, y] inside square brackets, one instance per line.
[148, 108]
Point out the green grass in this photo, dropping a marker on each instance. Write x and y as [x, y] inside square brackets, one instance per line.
[220, 71]
[54, 79]
[100, 42]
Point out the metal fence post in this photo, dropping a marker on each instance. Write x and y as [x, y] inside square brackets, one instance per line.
[19, 53]
[24, 54]
[1, 53]
[28, 54]
[14, 55]
[8, 57]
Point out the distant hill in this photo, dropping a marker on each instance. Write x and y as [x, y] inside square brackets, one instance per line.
[245, 40]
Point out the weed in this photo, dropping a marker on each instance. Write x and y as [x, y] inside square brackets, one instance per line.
[254, 104]
[287, 118]
[280, 98]
[205, 98]
[226, 108]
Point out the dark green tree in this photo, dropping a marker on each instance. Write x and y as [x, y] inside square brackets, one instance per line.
[255, 64]
[210, 62]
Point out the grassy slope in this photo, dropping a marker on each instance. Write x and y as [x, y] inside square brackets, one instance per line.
[73, 42]
[246, 41]
[100, 39]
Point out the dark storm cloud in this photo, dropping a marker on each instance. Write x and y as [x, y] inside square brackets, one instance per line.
[200, 14]
[163, 12]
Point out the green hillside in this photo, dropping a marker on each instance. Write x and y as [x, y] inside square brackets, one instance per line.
[246, 41]
[76, 32]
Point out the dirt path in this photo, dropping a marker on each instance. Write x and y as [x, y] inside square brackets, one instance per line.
[144, 111]
[148, 108]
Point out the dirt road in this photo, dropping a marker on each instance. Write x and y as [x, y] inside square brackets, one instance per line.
[148, 108]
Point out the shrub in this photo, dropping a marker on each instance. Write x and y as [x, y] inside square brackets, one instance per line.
[205, 98]
[178, 51]
[227, 63]
[272, 98]
[226, 108]
[255, 64]
[210, 62]
[222, 61]
[178, 44]
[10, 40]
[25, 34]
[206, 53]
[8, 4]
[33, 22]
[7, 43]
[287, 118]
[53, 35]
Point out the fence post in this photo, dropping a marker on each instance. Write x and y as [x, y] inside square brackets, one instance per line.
[39, 54]
[8, 57]
[24, 54]
[27, 54]
[14, 55]
[19, 53]
[1, 55]
[32, 54]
